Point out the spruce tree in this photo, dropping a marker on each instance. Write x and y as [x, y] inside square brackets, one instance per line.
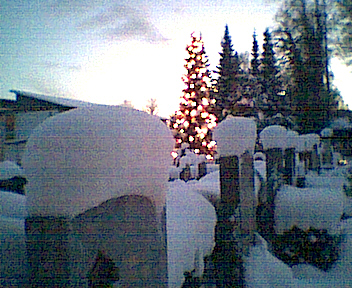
[228, 71]
[255, 57]
[269, 72]
[194, 120]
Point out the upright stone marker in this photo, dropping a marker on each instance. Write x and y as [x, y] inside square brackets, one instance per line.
[236, 138]
[274, 140]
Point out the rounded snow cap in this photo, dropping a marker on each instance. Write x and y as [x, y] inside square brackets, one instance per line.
[9, 169]
[292, 139]
[326, 133]
[79, 159]
[274, 136]
[311, 140]
[235, 135]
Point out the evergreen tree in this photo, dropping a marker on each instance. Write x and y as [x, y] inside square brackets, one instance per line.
[255, 57]
[194, 121]
[228, 71]
[270, 83]
[313, 100]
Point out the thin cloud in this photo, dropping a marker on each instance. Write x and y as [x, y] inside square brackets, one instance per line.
[121, 22]
[61, 65]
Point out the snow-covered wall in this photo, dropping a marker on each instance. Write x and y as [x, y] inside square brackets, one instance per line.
[78, 159]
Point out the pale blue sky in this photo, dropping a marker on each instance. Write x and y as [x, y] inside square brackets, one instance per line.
[107, 51]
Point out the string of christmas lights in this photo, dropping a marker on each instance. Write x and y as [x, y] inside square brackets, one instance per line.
[193, 122]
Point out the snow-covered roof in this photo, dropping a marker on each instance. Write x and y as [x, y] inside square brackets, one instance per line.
[55, 100]
[77, 160]
[235, 135]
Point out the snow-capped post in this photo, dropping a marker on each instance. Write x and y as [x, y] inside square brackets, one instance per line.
[236, 138]
[312, 141]
[289, 156]
[273, 139]
[300, 173]
[326, 151]
[97, 193]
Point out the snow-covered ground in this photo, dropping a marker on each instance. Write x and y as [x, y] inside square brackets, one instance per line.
[190, 238]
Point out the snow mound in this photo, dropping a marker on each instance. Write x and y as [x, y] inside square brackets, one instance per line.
[311, 140]
[235, 135]
[326, 133]
[209, 185]
[13, 205]
[190, 231]
[262, 269]
[326, 179]
[274, 137]
[76, 160]
[320, 208]
[9, 169]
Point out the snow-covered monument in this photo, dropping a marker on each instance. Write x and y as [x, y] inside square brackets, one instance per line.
[96, 198]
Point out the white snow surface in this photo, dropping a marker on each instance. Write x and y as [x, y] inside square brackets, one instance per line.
[190, 231]
[79, 159]
[262, 269]
[12, 205]
[292, 137]
[318, 207]
[311, 140]
[9, 169]
[235, 135]
[326, 132]
[273, 136]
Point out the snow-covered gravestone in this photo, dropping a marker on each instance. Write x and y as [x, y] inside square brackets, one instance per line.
[312, 142]
[236, 138]
[96, 190]
[326, 153]
[274, 140]
[289, 155]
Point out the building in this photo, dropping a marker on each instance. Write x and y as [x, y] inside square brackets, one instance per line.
[20, 116]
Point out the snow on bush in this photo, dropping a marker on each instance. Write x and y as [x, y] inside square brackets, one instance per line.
[273, 137]
[326, 133]
[341, 123]
[12, 205]
[76, 160]
[9, 169]
[235, 135]
[190, 231]
[319, 208]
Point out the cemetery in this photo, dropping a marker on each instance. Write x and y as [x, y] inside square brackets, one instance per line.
[104, 203]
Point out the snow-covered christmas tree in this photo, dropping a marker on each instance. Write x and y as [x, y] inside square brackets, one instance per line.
[193, 122]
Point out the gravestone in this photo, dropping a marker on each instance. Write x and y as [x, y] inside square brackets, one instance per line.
[97, 187]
